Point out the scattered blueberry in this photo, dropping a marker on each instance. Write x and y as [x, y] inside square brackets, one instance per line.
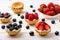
[3, 26]
[43, 19]
[27, 27]
[53, 21]
[34, 10]
[18, 14]
[22, 17]
[14, 20]
[31, 33]
[20, 22]
[57, 33]
[31, 6]
[11, 29]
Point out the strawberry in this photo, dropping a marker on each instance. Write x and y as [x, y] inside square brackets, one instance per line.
[36, 16]
[51, 13]
[31, 17]
[43, 6]
[57, 9]
[27, 15]
[50, 5]
[47, 27]
[40, 10]
[46, 10]
[52, 8]
[5, 15]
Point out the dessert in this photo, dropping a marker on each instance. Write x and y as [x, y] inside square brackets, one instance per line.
[12, 29]
[31, 18]
[42, 28]
[5, 17]
[50, 10]
[17, 7]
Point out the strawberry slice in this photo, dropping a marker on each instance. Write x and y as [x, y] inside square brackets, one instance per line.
[40, 10]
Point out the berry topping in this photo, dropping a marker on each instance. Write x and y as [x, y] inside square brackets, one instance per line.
[16, 27]
[8, 26]
[27, 27]
[57, 33]
[14, 20]
[14, 24]
[11, 29]
[31, 33]
[3, 26]
[19, 26]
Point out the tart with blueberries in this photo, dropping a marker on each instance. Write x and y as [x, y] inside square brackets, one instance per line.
[13, 29]
[5, 17]
[31, 18]
[17, 7]
[42, 28]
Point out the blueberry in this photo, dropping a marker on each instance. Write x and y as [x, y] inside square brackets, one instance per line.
[43, 19]
[8, 26]
[7, 13]
[27, 27]
[3, 26]
[18, 14]
[22, 17]
[34, 10]
[57, 33]
[16, 27]
[31, 33]
[14, 24]
[14, 20]
[11, 28]
[20, 22]
[19, 26]
[31, 6]
[7, 16]
[53, 21]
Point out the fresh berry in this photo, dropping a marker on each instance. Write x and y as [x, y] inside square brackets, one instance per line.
[57, 9]
[27, 15]
[52, 8]
[22, 17]
[27, 27]
[31, 33]
[14, 24]
[31, 6]
[40, 10]
[57, 33]
[20, 22]
[7, 16]
[46, 10]
[51, 13]
[19, 26]
[11, 29]
[34, 10]
[47, 27]
[31, 17]
[3, 27]
[8, 26]
[18, 14]
[50, 5]
[36, 15]
[53, 21]
[14, 20]
[43, 6]
[43, 19]
[16, 27]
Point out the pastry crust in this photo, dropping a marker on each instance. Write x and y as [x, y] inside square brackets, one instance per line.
[17, 7]
[43, 33]
[31, 22]
[13, 33]
[6, 20]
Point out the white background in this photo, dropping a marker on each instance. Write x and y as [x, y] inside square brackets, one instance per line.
[5, 6]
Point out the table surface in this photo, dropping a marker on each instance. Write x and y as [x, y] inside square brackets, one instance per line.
[5, 6]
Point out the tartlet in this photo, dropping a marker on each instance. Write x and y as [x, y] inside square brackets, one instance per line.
[5, 17]
[31, 19]
[17, 7]
[42, 28]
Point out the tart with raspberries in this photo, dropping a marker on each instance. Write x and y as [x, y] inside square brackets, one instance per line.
[42, 28]
[31, 18]
[5, 17]
[17, 7]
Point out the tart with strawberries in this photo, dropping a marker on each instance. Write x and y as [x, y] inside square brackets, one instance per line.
[42, 28]
[5, 17]
[17, 7]
[31, 18]
[50, 11]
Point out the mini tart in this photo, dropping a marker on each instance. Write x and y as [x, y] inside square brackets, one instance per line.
[43, 32]
[17, 7]
[14, 32]
[6, 20]
[31, 22]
